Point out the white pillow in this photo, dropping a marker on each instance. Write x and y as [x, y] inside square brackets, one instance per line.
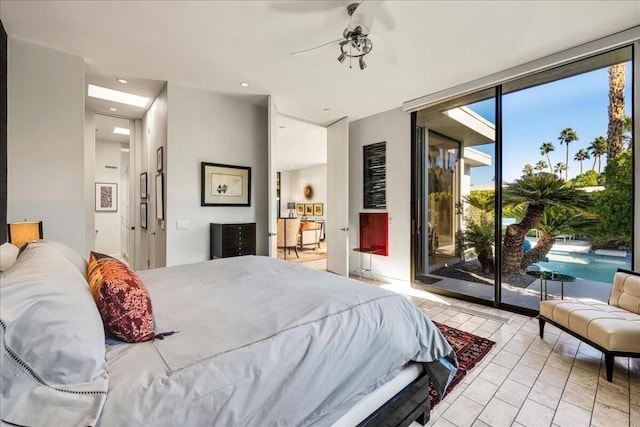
[53, 357]
[8, 255]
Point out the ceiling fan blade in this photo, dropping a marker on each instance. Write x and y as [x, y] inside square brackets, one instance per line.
[300, 52]
[364, 15]
[305, 6]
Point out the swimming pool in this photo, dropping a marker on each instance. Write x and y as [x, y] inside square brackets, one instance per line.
[592, 267]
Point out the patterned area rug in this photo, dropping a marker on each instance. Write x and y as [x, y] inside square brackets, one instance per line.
[470, 350]
[304, 255]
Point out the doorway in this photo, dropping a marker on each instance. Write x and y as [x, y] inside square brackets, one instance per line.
[300, 159]
[112, 213]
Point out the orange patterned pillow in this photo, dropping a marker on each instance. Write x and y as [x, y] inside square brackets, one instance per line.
[121, 297]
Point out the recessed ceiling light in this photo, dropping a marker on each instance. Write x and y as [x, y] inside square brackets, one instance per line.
[121, 131]
[124, 150]
[123, 81]
[244, 84]
[113, 109]
[117, 96]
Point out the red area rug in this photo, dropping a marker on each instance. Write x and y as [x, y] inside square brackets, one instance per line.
[469, 348]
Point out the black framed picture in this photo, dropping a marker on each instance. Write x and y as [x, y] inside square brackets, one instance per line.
[160, 158]
[143, 185]
[143, 215]
[225, 185]
[159, 196]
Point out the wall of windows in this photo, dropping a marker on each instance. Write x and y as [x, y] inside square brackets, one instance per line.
[525, 190]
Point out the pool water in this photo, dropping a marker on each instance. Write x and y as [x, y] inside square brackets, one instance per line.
[595, 268]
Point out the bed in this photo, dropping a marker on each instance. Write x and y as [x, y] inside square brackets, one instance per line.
[258, 341]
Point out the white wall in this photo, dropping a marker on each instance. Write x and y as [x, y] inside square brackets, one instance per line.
[206, 127]
[107, 224]
[151, 252]
[45, 149]
[393, 127]
[89, 180]
[294, 183]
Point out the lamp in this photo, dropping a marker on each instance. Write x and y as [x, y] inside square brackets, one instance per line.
[291, 206]
[19, 233]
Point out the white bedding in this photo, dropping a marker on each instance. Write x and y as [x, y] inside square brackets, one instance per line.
[264, 342]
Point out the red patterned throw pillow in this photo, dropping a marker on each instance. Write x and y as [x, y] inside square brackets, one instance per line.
[122, 299]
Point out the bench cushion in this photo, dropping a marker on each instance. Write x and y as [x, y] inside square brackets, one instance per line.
[612, 328]
[625, 292]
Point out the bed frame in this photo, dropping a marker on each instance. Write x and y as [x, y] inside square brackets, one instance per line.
[410, 404]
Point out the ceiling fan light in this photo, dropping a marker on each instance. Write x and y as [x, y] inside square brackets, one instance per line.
[342, 56]
[362, 63]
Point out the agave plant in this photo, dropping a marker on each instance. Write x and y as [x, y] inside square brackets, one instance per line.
[536, 193]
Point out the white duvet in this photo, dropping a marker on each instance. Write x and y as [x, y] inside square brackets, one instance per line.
[264, 342]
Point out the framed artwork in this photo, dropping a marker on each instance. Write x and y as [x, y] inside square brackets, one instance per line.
[159, 196]
[143, 215]
[374, 176]
[106, 197]
[143, 185]
[160, 158]
[318, 209]
[308, 209]
[300, 209]
[225, 185]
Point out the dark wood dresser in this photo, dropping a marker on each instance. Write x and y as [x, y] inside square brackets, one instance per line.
[229, 240]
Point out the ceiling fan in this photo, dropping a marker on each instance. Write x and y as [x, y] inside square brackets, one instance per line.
[356, 41]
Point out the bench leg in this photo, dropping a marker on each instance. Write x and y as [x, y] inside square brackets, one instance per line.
[541, 323]
[608, 361]
[423, 418]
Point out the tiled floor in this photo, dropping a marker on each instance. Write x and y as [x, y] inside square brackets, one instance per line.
[528, 381]
[525, 380]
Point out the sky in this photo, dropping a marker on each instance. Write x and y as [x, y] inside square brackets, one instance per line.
[538, 114]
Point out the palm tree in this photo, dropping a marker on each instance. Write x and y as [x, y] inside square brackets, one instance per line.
[545, 149]
[598, 148]
[537, 193]
[581, 156]
[559, 168]
[540, 166]
[556, 221]
[628, 130]
[527, 169]
[567, 136]
[615, 130]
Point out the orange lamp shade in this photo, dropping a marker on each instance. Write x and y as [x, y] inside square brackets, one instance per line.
[20, 233]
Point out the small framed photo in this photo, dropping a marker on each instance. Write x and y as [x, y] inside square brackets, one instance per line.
[143, 215]
[159, 196]
[106, 197]
[160, 158]
[300, 209]
[143, 185]
[317, 209]
[308, 209]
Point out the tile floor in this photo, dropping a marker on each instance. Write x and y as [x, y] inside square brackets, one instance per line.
[525, 380]
[528, 381]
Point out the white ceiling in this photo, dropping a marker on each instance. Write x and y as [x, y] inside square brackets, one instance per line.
[299, 145]
[105, 126]
[215, 45]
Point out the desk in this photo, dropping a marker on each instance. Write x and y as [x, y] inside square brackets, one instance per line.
[370, 252]
[544, 276]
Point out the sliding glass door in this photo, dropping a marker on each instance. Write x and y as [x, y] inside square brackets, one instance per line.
[525, 190]
[457, 143]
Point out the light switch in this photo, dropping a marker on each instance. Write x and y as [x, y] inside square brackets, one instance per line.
[182, 225]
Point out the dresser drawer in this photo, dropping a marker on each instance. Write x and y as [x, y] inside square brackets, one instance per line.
[229, 240]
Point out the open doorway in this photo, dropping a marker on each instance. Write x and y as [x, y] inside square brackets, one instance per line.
[301, 164]
[112, 210]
